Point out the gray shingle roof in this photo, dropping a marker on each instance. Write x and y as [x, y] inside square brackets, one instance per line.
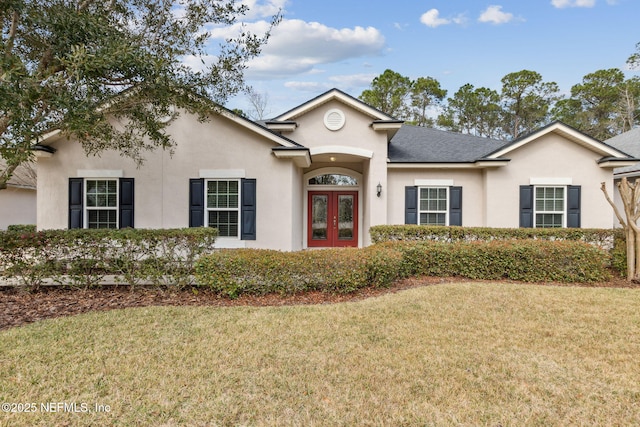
[629, 142]
[416, 144]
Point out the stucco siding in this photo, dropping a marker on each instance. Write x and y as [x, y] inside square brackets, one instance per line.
[17, 206]
[552, 157]
[162, 183]
[469, 179]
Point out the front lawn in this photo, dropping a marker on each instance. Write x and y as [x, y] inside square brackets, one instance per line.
[453, 354]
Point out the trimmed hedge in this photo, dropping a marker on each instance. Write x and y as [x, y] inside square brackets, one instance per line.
[602, 238]
[257, 272]
[262, 271]
[521, 260]
[86, 257]
[22, 228]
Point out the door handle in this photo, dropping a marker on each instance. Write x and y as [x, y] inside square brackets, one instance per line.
[334, 222]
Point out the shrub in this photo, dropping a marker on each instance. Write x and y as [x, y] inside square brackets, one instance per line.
[602, 238]
[22, 228]
[85, 257]
[260, 271]
[522, 260]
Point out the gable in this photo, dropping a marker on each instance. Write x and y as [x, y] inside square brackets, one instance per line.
[605, 152]
[331, 95]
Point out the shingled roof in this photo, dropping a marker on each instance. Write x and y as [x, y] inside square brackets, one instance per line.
[629, 142]
[416, 144]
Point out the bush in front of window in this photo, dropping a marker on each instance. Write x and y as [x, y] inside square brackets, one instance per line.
[601, 238]
[261, 271]
[22, 228]
[520, 260]
[87, 257]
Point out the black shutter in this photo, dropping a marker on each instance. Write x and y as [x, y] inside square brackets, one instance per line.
[410, 205]
[455, 206]
[526, 206]
[76, 186]
[573, 206]
[126, 202]
[196, 202]
[248, 210]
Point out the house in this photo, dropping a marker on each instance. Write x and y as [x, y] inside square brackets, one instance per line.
[324, 172]
[18, 200]
[629, 142]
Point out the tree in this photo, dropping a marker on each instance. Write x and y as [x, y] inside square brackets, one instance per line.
[527, 102]
[107, 72]
[473, 111]
[603, 105]
[628, 105]
[259, 103]
[388, 93]
[425, 93]
[634, 60]
[630, 195]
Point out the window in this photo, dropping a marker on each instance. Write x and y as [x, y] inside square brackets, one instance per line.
[101, 203]
[223, 206]
[433, 205]
[96, 202]
[550, 207]
[333, 179]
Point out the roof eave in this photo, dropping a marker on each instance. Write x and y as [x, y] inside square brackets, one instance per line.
[300, 155]
[478, 164]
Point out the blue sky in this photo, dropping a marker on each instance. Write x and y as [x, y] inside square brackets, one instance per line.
[346, 43]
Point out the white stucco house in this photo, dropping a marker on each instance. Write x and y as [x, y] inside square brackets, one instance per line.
[18, 200]
[324, 172]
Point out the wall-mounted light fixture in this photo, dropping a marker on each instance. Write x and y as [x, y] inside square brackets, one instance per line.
[379, 189]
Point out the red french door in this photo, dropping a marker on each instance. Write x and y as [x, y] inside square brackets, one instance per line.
[333, 219]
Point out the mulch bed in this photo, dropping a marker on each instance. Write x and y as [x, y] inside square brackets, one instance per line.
[19, 306]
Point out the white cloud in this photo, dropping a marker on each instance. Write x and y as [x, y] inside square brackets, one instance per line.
[346, 83]
[561, 4]
[263, 9]
[352, 80]
[297, 46]
[494, 15]
[307, 86]
[431, 18]
[199, 63]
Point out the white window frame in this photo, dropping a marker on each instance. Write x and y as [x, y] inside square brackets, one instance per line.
[542, 212]
[427, 211]
[87, 208]
[208, 209]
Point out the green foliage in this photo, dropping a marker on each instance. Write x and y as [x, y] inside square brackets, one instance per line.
[389, 93]
[256, 272]
[473, 111]
[261, 271]
[527, 102]
[22, 228]
[84, 257]
[595, 104]
[522, 260]
[75, 66]
[602, 238]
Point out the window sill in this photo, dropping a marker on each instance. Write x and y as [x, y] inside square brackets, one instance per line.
[230, 243]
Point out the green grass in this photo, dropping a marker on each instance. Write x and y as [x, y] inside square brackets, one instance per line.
[454, 354]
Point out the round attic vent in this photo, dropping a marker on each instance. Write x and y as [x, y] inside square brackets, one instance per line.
[334, 119]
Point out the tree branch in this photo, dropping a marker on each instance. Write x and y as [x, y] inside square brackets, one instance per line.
[603, 187]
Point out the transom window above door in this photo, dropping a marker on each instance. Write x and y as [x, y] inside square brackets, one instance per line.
[333, 179]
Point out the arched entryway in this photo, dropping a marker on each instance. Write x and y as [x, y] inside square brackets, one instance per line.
[333, 208]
